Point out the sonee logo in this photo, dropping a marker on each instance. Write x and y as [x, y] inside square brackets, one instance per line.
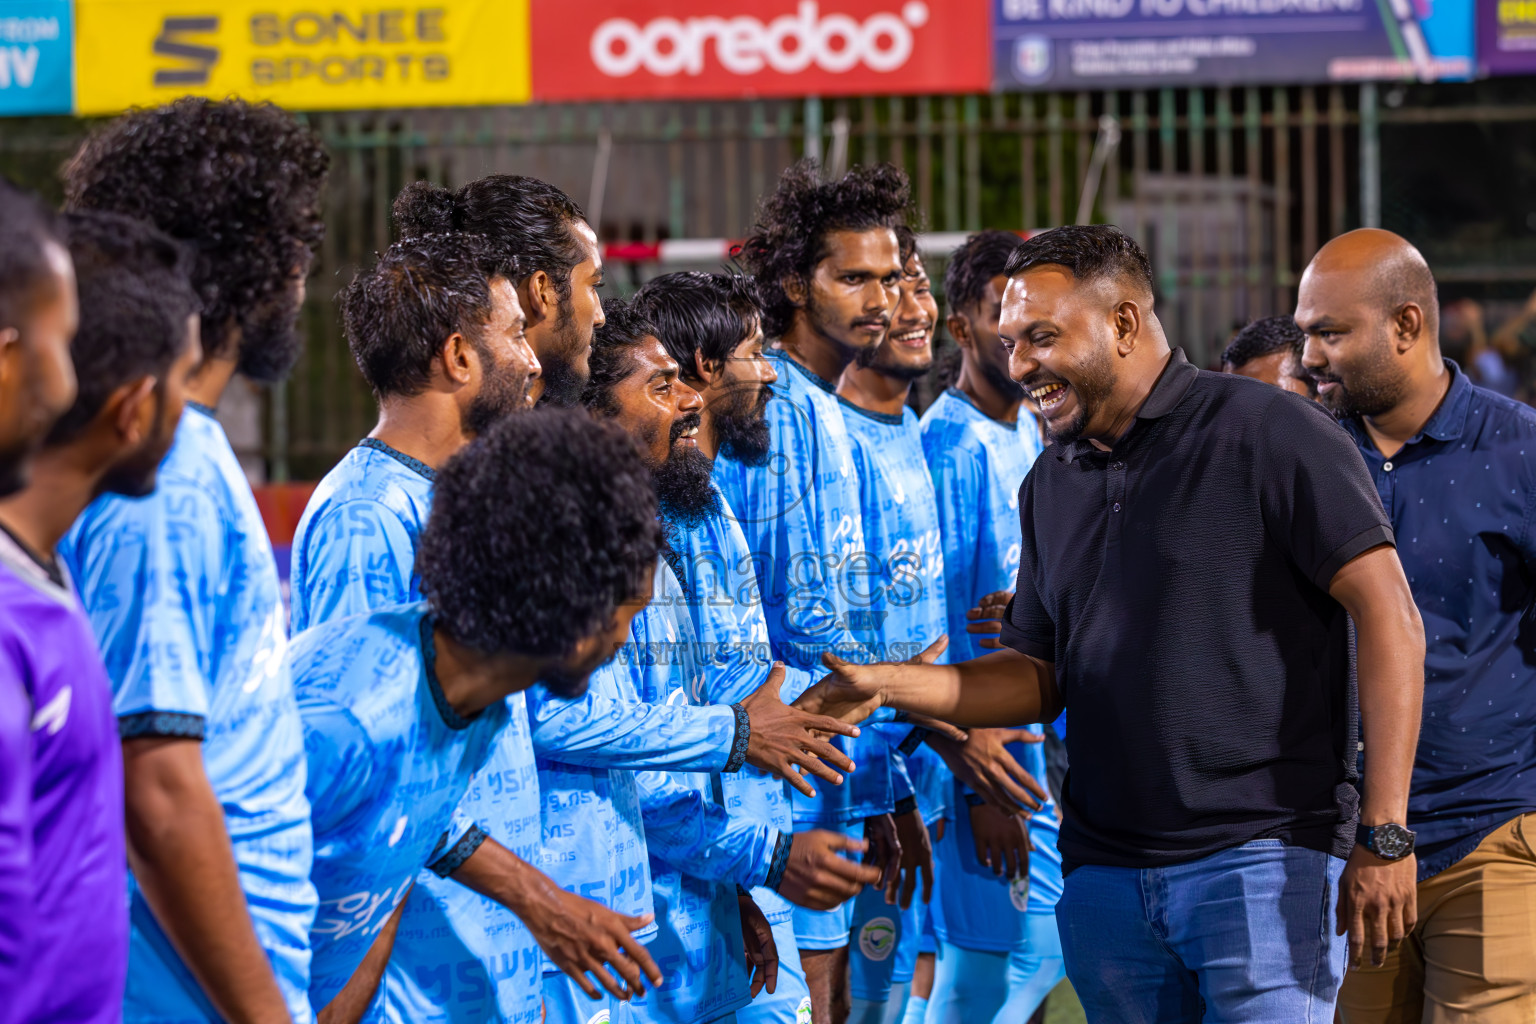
[743, 45]
[877, 939]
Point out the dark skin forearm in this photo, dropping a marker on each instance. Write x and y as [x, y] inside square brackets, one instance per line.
[578, 935]
[179, 851]
[994, 691]
[1378, 899]
[352, 1001]
[1389, 644]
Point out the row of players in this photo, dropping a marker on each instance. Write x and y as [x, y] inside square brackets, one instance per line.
[359, 824]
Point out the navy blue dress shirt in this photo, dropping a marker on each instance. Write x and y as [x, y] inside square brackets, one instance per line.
[1461, 494]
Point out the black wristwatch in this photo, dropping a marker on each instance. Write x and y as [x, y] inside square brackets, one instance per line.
[1389, 842]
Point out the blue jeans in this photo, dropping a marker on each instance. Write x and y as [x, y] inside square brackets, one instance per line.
[1245, 935]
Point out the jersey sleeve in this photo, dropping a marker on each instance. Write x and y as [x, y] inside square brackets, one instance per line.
[1317, 498]
[698, 837]
[357, 557]
[342, 762]
[597, 731]
[777, 505]
[16, 906]
[1027, 624]
[149, 570]
[957, 486]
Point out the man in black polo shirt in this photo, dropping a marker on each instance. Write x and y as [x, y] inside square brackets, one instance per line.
[1192, 543]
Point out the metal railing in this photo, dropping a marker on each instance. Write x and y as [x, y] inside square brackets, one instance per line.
[1230, 189]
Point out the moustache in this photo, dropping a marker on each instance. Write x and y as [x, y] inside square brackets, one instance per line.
[883, 322]
[682, 426]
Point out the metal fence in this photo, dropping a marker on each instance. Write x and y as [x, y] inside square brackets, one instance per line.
[1230, 189]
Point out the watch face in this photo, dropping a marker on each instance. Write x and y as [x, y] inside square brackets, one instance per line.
[1391, 842]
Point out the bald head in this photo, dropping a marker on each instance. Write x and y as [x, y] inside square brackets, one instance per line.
[1368, 309]
[1385, 270]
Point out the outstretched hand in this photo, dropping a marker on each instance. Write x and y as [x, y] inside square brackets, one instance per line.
[986, 619]
[984, 763]
[582, 935]
[851, 692]
[820, 873]
[789, 740]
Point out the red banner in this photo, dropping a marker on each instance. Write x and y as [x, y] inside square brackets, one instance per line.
[632, 49]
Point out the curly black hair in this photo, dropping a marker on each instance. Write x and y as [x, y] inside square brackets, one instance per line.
[1089, 251]
[136, 294]
[530, 219]
[397, 314]
[693, 311]
[27, 227]
[790, 236]
[1263, 336]
[979, 259]
[626, 326]
[241, 183]
[540, 529]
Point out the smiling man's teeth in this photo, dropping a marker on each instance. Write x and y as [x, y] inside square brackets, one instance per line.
[1042, 391]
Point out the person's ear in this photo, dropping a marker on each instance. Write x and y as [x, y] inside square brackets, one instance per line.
[132, 409]
[704, 371]
[960, 330]
[538, 297]
[795, 289]
[1408, 325]
[1127, 327]
[459, 360]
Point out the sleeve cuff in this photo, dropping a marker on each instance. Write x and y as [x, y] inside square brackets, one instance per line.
[906, 805]
[460, 852]
[163, 724]
[913, 741]
[1357, 545]
[743, 739]
[974, 799]
[780, 861]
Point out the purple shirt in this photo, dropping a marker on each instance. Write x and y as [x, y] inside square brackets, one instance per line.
[63, 866]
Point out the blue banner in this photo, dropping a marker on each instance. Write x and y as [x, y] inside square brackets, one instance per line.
[36, 57]
[1060, 44]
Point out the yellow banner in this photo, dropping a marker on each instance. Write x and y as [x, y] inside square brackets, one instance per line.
[315, 55]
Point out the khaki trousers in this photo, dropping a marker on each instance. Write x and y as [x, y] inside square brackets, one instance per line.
[1472, 956]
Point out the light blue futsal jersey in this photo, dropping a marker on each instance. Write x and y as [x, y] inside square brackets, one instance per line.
[592, 755]
[183, 595]
[719, 587]
[458, 956]
[977, 465]
[389, 761]
[698, 943]
[906, 604]
[799, 514]
[720, 592]
[355, 547]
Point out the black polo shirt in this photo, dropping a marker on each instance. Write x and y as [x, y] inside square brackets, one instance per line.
[1179, 584]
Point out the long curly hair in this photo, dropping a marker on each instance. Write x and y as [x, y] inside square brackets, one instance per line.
[790, 236]
[240, 182]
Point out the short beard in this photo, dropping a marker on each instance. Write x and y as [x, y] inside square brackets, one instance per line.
[1096, 382]
[499, 396]
[1371, 397]
[824, 327]
[270, 344]
[684, 494]
[872, 358]
[741, 425]
[565, 684]
[563, 383]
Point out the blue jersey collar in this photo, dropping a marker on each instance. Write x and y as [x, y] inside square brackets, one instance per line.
[894, 420]
[206, 410]
[810, 375]
[415, 465]
[451, 718]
